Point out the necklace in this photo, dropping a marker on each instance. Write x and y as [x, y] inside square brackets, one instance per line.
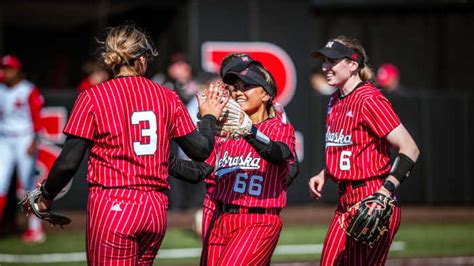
[124, 76]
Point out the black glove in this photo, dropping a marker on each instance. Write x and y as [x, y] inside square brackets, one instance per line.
[364, 227]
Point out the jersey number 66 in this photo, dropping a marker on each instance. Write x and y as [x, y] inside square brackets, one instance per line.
[254, 186]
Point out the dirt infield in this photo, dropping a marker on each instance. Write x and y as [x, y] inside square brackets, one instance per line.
[442, 261]
[322, 214]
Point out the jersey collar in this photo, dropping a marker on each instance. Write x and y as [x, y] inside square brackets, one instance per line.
[356, 87]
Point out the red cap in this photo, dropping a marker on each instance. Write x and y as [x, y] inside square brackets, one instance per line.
[386, 74]
[10, 61]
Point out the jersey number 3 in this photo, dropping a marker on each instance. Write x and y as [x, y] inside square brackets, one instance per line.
[150, 147]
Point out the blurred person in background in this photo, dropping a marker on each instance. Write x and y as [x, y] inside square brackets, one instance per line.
[388, 79]
[20, 124]
[361, 126]
[127, 123]
[95, 74]
[203, 80]
[179, 77]
[319, 83]
[2, 75]
[194, 193]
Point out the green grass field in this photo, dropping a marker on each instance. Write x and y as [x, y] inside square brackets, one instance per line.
[420, 240]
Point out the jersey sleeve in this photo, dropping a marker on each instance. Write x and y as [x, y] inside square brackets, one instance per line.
[211, 160]
[82, 122]
[284, 132]
[182, 124]
[210, 180]
[380, 116]
[36, 102]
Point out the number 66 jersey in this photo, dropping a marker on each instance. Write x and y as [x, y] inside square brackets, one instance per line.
[356, 127]
[243, 178]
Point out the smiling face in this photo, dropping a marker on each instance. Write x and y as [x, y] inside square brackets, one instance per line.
[251, 98]
[338, 71]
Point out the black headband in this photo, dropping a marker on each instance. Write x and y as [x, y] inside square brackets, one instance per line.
[238, 64]
[336, 50]
[251, 75]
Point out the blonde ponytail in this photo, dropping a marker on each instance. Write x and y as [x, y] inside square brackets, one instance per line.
[124, 44]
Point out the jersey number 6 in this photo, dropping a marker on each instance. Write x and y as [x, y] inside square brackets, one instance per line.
[150, 147]
[345, 162]
[254, 186]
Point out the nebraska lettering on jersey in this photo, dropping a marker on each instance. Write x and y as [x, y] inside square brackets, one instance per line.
[356, 126]
[248, 162]
[20, 109]
[242, 177]
[131, 121]
[337, 139]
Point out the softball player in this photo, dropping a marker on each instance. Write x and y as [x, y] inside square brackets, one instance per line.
[250, 175]
[127, 123]
[20, 123]
[247, 189]
[361, 126]
[238, 62]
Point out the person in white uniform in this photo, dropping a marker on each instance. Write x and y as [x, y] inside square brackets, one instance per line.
[20, 123]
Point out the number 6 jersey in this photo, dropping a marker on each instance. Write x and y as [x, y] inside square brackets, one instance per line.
[243, 178]
[356, 126]
[131, 121]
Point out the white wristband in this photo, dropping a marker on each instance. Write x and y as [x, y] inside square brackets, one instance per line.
[260, 137]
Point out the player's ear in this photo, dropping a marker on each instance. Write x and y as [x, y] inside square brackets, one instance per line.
[354, 66]
[141, 64]
[266, 98]
[142, 60]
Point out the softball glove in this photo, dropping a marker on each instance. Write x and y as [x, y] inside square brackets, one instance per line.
[233, 123]
[30, 206]
[366, 228]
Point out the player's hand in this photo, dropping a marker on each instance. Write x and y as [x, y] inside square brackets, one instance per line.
[44, 204]
[316, 184]
[31, 149]
[374, 205]
[213, 100]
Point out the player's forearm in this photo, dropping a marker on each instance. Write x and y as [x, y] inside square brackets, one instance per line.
[293, 171]
[411, 151]
[65, 166]
[275, 152]
[401, 169]
[189, 171]
[408, 153]
[198, 145]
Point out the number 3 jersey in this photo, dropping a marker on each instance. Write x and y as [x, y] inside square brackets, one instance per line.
[243, 178]
[356, 127]
[130, 121]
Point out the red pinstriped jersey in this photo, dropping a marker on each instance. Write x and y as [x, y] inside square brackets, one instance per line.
[280, 114]
[130, 121]
[243, 178]
[356, 126]
[20, 109]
